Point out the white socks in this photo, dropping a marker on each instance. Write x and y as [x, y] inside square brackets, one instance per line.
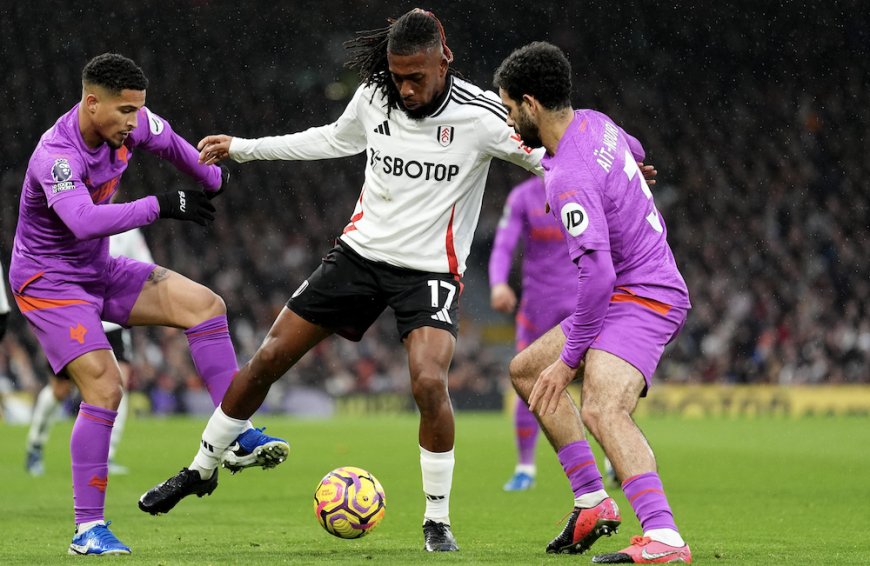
[668, 536]
[591, 499]
[88, 526]
[118, 428]
[528, 469]
[219, 433]
[44, 415]
[437, 468]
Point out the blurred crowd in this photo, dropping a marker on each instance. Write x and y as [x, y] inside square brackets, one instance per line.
[758, 134]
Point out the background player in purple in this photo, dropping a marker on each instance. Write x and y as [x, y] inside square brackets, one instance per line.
[631, 301]
[65, 282]
[549, 289]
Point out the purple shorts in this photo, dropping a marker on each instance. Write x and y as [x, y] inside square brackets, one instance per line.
[637, 330]
[533, 320]
[66, 317]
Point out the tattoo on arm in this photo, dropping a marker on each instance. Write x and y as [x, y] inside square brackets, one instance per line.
[158, 275]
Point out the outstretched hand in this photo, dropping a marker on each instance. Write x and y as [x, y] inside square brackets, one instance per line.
[649, 172]
[214, 148]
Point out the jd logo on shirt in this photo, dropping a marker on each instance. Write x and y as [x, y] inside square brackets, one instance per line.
[574, 218]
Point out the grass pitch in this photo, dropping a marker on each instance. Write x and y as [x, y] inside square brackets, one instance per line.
[754, 491]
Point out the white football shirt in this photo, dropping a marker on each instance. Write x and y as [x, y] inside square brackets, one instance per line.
[4, 300]
[424, 179]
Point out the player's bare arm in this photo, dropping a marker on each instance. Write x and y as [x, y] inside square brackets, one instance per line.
[214, 148]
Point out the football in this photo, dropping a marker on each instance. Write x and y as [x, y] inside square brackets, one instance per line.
[349, 502]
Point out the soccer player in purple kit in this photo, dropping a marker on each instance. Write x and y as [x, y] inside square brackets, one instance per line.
[548, 295]
[549, 287]
[631, 302]
[65, 282]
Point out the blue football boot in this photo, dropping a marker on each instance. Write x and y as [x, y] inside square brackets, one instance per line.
[255, 448]
[520, 481]
[34, 464]
[98, 541]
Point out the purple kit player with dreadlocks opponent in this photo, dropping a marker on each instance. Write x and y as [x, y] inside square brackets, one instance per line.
[631, 302]
[65, 282]
[429, 137]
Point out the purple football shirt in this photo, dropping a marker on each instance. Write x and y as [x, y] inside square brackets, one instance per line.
[63, 166]
[549, 277]
[596, 189]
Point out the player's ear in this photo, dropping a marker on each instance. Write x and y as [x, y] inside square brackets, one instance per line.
[442, 69]
[91, 100]
[531, 102]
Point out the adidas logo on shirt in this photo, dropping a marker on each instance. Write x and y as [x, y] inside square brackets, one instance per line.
[383, 128]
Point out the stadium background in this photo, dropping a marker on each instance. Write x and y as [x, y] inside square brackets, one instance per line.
[756, 118]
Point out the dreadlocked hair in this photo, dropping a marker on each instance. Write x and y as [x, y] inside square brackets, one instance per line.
[413, 32]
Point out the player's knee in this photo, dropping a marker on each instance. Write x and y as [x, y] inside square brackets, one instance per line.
[213, 304]
[591, 414]
[430, 391]
[105, 391]
[519, 371]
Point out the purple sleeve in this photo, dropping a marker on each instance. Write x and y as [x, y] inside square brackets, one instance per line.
[86, 220]
[594, 288]
[635, 146]
[155, 135]
[506, 237]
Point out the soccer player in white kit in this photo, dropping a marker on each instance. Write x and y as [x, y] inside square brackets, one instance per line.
[429, 137]
[4, 304]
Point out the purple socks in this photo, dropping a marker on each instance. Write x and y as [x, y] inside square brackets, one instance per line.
[89, 452]
[579, 464]
[647, 498]
[526, 433]
[213, 355]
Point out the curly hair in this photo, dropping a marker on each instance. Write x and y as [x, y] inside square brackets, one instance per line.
[114, 72]
[539, 69]
[415, 31]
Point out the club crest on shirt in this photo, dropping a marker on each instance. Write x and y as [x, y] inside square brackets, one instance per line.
[61, 171]
[574, 218]
[445, 135]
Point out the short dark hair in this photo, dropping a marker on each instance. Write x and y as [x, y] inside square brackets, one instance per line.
[539, 69]
[114, 72]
